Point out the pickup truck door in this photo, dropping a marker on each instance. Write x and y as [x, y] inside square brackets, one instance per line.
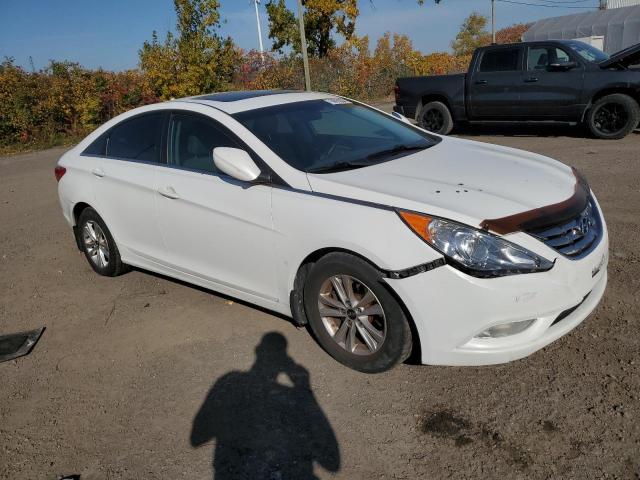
[495, 83]
[551, 92]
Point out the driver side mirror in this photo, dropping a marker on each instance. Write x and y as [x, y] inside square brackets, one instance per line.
[400, 117]
[236, 163]
[562, 67]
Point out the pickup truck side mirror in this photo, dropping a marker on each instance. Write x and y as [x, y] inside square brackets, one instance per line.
[562, 67]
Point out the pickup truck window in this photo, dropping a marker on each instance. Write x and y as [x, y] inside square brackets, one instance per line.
[539, 58]
[502, 60]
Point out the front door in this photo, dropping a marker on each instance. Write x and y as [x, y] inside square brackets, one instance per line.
[551, 92]
[213, 226]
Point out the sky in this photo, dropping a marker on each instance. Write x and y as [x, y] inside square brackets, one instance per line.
[109, 33]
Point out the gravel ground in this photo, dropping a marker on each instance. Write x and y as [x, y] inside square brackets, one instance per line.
[143, 377]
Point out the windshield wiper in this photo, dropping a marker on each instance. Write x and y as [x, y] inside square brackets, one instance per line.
[395, 149]
[337, 167]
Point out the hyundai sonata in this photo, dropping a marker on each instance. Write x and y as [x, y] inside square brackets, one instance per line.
[381, 237]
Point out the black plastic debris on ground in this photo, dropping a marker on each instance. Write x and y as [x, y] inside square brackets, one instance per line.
[18, 344]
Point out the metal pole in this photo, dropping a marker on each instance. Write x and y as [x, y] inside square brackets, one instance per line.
[256, 2]
[303, 46]
[493, 21]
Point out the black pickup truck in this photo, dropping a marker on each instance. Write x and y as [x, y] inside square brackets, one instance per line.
[564, 80]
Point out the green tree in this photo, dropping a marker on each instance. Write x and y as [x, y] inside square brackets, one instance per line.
[323, 18]
[472, 34]
[197, 59]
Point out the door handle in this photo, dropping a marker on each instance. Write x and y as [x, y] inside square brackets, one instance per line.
[98, 172]
[168, 192]
[481, 82]
[531, 80]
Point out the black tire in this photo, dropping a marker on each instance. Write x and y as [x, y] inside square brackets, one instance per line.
[613, 116]
[395, 347]
[114, 265]
[436, 117]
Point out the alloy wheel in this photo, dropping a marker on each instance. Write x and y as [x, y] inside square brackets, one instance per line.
[433, 120]
[352, 315]
[610, 118]
[95, 243]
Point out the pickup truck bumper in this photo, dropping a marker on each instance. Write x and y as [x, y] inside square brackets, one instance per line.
[409, 112]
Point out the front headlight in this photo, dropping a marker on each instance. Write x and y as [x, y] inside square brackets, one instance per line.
[474, 251]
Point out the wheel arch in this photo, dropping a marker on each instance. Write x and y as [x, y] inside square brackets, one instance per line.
[620, 89]
[433, 97]
[297, 299]
[78, 208]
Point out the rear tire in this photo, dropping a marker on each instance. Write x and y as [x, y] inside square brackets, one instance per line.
[436, 117]
[613, 116]
[98, 245]
[368, 330]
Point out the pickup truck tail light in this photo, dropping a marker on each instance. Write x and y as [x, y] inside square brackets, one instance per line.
[59, 172]
[396, 92]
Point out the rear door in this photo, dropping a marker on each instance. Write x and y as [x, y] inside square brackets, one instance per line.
[213, 226]
[124, 183]
[551, 93]
[494, 90]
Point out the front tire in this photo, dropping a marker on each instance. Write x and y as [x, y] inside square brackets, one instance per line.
[613, 116]
[98, 245]
[436, 117]
[353, 316]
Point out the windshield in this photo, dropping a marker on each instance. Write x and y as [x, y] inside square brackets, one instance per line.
[588, 52]
[323, 136]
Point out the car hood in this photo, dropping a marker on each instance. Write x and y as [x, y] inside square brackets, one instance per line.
[458, 179]
[627, 57]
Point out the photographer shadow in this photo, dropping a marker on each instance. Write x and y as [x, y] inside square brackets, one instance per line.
[266, 422]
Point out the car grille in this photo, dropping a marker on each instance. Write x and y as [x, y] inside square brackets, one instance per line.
[576, 238]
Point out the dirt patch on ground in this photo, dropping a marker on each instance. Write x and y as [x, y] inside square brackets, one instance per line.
[114, 388]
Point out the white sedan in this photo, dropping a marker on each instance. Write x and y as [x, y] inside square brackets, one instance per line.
[384, 239]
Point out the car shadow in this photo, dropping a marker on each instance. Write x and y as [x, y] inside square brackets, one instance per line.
[266, 422]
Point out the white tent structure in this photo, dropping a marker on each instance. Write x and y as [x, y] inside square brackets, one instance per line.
[610, 30]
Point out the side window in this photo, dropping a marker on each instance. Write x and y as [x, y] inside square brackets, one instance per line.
[501, 60]
[97, 147]
[192, 140]
[538, 58]
[137, 139]
[561, 56]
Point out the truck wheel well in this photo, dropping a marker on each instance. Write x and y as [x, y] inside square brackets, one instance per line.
[297, 304]
[603, 93]
[432, 98]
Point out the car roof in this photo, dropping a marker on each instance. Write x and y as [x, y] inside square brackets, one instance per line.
[243, 100]
[524, 44]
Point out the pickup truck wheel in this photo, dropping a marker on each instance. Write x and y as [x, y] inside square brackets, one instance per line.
[436, 117]
[613, 116]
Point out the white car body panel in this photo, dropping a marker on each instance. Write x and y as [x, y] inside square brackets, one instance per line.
[249, 241]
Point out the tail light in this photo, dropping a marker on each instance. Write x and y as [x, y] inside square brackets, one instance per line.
[396, 92]
[59, 172]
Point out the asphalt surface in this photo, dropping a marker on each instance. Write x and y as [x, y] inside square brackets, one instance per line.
[143, 377]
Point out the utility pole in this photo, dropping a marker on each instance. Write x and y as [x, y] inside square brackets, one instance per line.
[303, 46]
[255, 3]
[493, 21]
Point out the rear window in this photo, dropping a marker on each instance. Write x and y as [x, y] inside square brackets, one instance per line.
[502, 60]
[137, 139]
